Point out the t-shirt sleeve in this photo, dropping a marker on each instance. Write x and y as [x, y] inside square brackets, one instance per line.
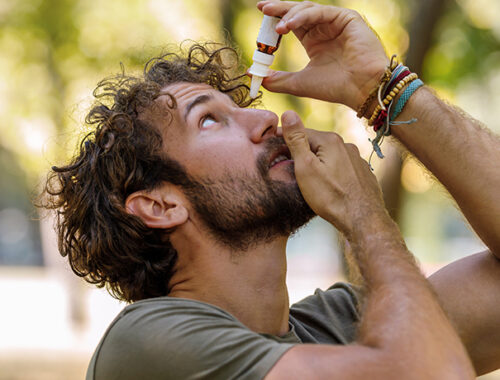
[184, 341]
[327, 317]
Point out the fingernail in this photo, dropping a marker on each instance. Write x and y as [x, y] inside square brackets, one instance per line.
[280, 24]
[289, 118]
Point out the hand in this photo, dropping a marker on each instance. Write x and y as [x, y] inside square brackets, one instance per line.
[334, 180]
[346, 57]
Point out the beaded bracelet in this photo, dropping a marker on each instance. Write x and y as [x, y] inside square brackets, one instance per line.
[379, 121]
[384, 128]
[399, 73]
[390, 97]
[405, 96]
[386, 76]
[392, 93]
[395, 78]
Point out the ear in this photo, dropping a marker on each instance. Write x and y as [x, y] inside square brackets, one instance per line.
[162, 207]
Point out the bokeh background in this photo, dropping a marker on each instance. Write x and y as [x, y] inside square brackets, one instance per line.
[53, 53]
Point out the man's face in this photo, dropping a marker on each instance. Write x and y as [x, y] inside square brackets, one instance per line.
[243, 185]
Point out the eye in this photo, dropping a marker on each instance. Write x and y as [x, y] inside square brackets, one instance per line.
[207, 121]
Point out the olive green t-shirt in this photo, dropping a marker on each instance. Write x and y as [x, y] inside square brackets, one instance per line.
[174, 338]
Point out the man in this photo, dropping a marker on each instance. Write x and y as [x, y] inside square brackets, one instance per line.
[182, 199]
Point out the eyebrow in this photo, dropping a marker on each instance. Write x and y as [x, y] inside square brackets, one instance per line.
[197, 101]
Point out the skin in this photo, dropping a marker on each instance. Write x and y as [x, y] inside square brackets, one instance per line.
[471, 175]
[251, 286]
[404, 332]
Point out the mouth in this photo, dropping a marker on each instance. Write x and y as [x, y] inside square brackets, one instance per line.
[281, 155]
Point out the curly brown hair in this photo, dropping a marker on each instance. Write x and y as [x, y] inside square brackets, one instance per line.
[103, 242]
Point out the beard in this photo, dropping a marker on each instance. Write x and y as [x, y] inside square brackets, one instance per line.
[241, 210]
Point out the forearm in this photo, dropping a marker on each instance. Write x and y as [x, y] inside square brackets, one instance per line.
[400, 306]
[403, 333]
[461, 154]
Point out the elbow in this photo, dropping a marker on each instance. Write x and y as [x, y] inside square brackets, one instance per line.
[398, 365]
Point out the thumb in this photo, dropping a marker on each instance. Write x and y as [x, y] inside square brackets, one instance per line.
[295, 136]
[280, 81]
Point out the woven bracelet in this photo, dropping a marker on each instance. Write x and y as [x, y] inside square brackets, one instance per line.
[405, 96]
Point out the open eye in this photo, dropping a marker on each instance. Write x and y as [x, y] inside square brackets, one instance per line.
[207, 121]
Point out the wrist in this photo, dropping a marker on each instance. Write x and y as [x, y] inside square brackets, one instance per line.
[366, 99]
[368, 220]
[378, 226]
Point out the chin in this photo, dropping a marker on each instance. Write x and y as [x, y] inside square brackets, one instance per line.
[284, 178]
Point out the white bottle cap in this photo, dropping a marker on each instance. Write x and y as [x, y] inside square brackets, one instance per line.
[259, 70]
[261, 63]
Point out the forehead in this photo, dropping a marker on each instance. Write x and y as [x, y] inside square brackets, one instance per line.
[163, 114]
[185, 92]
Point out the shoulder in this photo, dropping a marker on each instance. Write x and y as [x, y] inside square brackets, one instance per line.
[329, 316]
[175, 338]
[342, 297]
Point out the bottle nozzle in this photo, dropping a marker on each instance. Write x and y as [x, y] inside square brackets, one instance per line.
[255, 85]
[259, 70]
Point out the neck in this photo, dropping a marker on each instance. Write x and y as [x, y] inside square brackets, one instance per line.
[250, 285]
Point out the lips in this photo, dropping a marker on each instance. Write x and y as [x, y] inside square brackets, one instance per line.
[280, 155]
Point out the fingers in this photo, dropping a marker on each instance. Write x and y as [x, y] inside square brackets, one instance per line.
[296, 15]
[296, 139]
[281, 82]
[286, 10]
[317, 15]
[275, 7]
[284, 26]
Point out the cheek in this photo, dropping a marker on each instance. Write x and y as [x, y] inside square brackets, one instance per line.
[220, 155]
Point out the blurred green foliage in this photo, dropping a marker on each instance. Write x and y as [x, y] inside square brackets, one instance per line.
[55, 51]
[461, 50]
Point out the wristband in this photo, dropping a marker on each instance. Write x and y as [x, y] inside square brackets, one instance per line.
[405, 96]
[375, 119]
[393, 65]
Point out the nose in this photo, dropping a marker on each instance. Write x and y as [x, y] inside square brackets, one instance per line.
[260, 124]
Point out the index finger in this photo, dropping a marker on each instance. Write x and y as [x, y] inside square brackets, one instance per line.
[279, 9]
[296, 138]
[296, 16]
[283, 6]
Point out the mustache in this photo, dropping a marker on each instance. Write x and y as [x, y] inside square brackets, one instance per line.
[271, 146]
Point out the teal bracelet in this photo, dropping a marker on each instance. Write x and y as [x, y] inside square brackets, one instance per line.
[403, 99]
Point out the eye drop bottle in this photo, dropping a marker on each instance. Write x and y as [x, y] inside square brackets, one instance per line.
[267, 43]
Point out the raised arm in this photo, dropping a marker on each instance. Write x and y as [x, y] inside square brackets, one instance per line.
[404, 333]
[462, 154]
[346, 62]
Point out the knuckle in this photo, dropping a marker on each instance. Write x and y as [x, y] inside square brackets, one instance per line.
[335, 138]
[296, 137]
[352, 148]
[355, 14]
[309, 160]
